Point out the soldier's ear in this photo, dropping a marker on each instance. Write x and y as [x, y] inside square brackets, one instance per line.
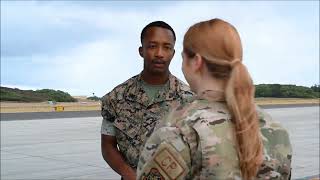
[141, 51]
[198, 62]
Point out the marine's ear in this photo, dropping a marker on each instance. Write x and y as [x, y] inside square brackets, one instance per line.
[140, 51]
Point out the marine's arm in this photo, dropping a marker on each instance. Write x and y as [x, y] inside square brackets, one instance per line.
[113, 157]
[109, 149]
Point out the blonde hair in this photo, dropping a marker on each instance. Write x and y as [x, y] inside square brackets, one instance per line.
[219, 44]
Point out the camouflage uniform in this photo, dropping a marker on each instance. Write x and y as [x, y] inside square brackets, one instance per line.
[196, 141]
[134, 116]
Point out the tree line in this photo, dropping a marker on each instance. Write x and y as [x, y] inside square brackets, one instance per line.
[287, 91]
[14, 94]
[262, 90]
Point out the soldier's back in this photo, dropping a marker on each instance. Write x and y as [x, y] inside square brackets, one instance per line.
[217, 144]
[214, 128]
[207, 131]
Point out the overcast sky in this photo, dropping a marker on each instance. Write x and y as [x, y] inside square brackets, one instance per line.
[85, 47]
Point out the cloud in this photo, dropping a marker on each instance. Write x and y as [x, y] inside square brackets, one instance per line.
[92, 47]
[42, 29]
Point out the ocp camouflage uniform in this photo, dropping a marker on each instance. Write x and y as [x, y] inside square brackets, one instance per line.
[196, 141]
[134, 116]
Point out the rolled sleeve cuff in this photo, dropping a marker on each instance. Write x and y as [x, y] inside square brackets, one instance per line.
[107, 128]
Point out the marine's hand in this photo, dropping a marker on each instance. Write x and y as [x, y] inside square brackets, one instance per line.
[129, 175]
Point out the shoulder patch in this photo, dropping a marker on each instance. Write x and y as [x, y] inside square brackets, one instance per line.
[166, 163]
[169, 163]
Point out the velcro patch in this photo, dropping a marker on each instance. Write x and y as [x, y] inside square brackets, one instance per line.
[166, 163]
[168, 160]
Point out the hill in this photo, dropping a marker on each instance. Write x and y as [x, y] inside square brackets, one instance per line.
[14, 94]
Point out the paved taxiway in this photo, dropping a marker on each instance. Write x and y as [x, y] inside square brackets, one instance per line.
[67, 145]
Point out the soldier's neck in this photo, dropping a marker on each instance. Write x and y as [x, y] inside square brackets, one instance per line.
[155, 79]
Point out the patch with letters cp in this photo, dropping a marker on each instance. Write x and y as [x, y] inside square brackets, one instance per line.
[166, 164]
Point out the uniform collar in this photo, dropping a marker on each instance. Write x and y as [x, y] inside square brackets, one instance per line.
[212, 95]
[136, 93]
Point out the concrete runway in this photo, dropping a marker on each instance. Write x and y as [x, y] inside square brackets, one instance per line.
[68, 147]
[47, 115]
[53, 149]
[74, 114]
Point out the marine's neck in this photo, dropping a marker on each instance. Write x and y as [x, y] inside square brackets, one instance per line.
[155, 79]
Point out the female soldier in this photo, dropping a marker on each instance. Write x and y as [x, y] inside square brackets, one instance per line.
[220, 133]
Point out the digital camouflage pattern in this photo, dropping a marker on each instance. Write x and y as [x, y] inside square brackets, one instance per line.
[127, 106]
[199, 143]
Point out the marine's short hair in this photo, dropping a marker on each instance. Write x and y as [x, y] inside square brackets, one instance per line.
[161, 24]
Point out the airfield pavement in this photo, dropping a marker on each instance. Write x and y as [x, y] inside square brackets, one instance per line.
[66, 145]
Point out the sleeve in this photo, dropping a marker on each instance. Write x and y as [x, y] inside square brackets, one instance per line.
[165, 156]
[107, 128]
[108, 114]
[277, 146]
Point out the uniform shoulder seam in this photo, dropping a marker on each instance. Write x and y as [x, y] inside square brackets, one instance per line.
[119, 88]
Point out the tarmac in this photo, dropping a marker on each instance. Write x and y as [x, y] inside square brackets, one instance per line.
[67, 145]
[74, 114]
[62, 148]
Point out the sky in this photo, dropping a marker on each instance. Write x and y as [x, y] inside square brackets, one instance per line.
[86, 47]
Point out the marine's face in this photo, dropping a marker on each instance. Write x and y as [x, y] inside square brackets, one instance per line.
[157, 50]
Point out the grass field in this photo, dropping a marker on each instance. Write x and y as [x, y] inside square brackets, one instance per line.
[13, 107]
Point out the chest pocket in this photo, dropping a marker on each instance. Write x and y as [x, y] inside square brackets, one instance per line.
[129, 127]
